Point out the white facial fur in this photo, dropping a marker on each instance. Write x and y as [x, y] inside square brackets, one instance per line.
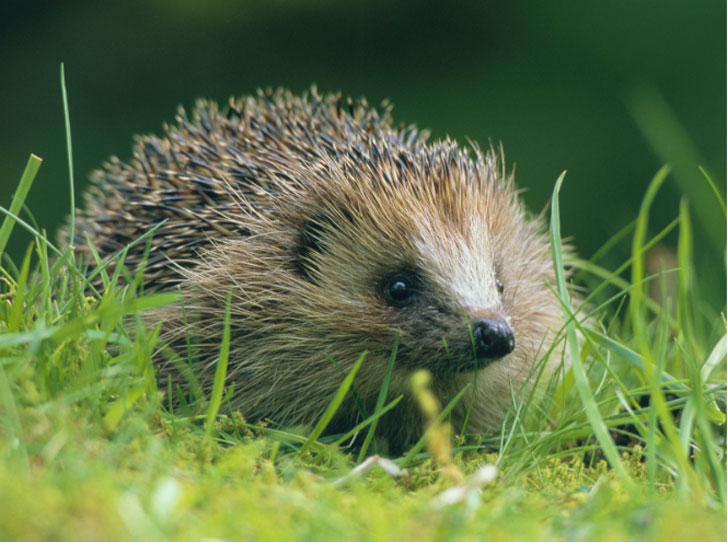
[464, 264]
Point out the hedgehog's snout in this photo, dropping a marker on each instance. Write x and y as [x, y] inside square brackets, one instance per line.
[493, 338]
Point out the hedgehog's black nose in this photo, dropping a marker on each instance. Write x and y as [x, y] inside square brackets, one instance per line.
[493, 338]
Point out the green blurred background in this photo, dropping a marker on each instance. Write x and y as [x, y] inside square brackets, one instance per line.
[607, 91]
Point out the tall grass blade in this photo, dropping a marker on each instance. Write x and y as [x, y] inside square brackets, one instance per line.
[714, 188]
[686, 332]
[717, 355]
[380, 401]
[26, 180]
[220, 370]
[364, 423]
[333, 406]
[580, 378]
[69, 149]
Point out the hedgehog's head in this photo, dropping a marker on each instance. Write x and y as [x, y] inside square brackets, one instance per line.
[436, 251]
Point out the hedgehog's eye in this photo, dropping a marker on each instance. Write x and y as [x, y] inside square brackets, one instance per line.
[499, 285]
[401, 290]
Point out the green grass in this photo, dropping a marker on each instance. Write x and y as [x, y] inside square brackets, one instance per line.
[628, 445]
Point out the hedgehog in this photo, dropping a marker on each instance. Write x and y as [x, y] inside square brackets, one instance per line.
[335, 232]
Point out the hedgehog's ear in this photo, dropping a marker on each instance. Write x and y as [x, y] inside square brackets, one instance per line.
[312, 242]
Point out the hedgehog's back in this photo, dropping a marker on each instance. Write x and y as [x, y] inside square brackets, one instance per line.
[195, 184]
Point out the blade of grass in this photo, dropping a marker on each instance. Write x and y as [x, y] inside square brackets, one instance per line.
[717, 355]
[361, 425]
[660, 342]
[685, 282]
[69, 149]
[333, 406]
[220, 370]
[380, 401]
[713, 187]
[19, 300]
[354, 394]
[580, 378]
[26, 180]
